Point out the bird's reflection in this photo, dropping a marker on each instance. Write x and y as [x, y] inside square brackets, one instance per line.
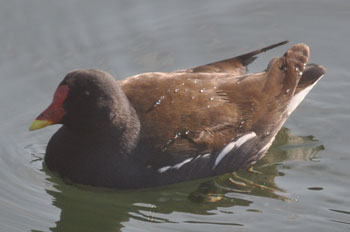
[259, 179]
[94, 209]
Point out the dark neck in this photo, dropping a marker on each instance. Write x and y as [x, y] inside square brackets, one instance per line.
[113, 121]
[128, 127]
[96, 157]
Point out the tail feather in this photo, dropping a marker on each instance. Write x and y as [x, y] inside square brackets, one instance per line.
[236, 65]
[283, 74]
[312, 73]
[248, 58]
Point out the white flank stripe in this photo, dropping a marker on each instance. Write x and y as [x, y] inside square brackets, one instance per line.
[224, 152]
[176, 166]
[206, 155]
[164, 169]
[245, 138]
[179, 165]
[232, 145]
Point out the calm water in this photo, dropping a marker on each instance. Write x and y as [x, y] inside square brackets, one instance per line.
[304, 181]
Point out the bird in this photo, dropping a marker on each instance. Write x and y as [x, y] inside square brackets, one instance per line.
[161, 128]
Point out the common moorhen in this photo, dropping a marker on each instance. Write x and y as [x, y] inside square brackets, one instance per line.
[161, 128]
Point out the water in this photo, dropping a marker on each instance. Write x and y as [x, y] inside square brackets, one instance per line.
[302, 183]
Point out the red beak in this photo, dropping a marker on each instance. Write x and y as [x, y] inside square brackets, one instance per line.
[55, 112]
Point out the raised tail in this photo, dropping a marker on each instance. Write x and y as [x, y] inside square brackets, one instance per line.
[311, 74]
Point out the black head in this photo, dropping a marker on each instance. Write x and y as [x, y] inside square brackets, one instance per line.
[85, 99]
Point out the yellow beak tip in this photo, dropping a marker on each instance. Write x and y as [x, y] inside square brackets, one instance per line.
[38, 124]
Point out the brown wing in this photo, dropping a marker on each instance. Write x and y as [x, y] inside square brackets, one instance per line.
[182, 114]
[236, 65]
[186, 114]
